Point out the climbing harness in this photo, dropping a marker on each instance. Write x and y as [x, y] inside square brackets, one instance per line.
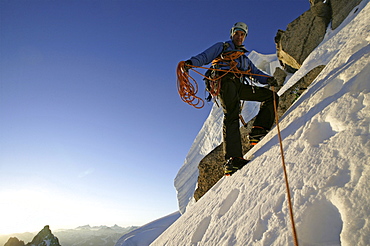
[295, 237]
[187, 86]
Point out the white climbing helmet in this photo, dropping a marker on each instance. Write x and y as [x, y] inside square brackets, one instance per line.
[239, 26]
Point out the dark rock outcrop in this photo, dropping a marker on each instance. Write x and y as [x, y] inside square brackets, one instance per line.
[280, 76]
[306, 32]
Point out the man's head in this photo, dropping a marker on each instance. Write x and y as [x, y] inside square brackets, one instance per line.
[238, 33]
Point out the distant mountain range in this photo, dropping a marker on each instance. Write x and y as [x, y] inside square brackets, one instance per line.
[80, 236]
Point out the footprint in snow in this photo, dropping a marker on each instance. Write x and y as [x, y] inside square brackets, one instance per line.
[200, 231]
[321, 224]
[228, 202]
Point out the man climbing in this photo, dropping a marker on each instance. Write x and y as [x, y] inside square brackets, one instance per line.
[234, 87]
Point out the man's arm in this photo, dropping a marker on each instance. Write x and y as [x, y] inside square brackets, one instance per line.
[208, 55]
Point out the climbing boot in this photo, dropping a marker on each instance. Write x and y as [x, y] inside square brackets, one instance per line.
[234, 164]
[256, 134]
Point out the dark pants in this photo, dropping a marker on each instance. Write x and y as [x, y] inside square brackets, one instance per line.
[232, 91]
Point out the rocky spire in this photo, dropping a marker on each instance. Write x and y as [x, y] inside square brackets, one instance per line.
[13, 241]
[44, 238]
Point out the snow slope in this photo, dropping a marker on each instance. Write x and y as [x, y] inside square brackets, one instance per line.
[327, 152]
[146, 234]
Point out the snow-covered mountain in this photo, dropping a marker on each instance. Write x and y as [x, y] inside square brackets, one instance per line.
[82, 235]
[326, 142]
[92, 235]
[44, 238]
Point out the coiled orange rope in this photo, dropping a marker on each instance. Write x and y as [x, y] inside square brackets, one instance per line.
[187, 87]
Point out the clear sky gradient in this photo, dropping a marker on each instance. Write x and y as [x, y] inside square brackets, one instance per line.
[92, 130]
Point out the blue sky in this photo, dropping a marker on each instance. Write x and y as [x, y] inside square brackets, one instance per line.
[92, 129]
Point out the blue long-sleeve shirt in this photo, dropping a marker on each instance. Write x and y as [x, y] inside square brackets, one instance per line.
[244, 63]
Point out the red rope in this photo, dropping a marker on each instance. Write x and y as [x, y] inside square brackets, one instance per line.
[295, 237]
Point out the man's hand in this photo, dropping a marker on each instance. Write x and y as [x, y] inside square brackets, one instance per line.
[272, 81]
[188, 62]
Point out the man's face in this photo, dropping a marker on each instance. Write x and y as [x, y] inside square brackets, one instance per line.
[238, 37]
